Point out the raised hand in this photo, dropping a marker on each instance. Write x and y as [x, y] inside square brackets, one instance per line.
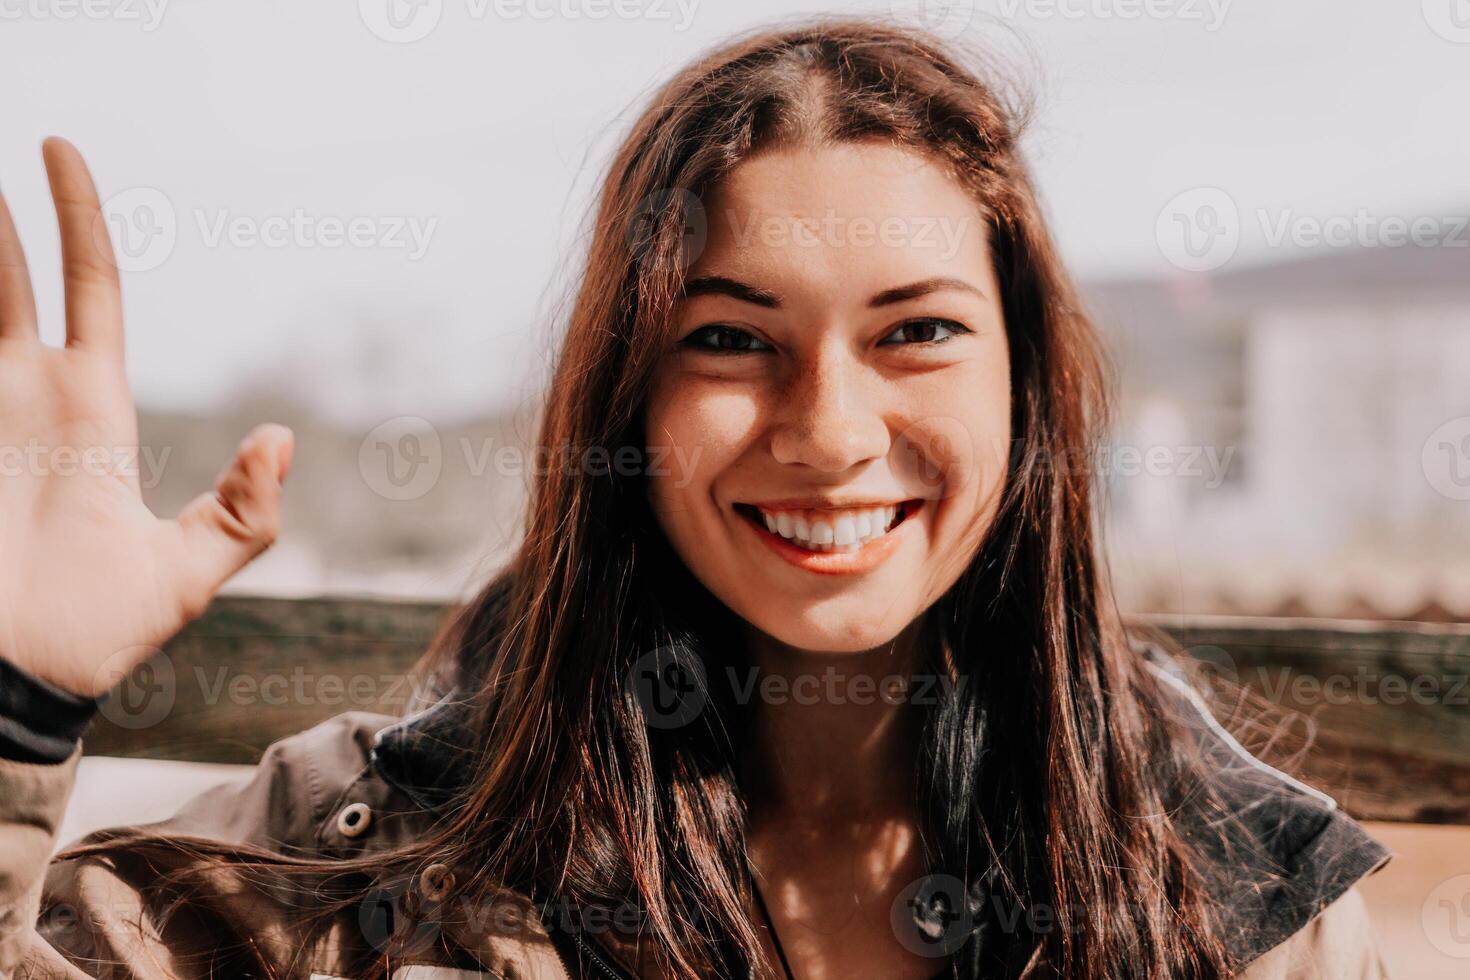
[91, 582]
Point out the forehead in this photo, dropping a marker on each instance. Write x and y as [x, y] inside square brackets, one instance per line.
[843, 213]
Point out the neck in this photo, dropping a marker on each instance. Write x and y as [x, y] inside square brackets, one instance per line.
[832, 735]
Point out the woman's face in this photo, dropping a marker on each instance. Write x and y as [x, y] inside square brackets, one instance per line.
[829, 429]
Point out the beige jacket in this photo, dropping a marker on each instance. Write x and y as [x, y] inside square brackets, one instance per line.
[322, 793]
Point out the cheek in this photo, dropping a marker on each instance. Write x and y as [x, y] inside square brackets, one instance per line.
[955, 444]
[695, 432]
[956, 454]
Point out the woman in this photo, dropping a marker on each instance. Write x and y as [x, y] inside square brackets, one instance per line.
[806, 666]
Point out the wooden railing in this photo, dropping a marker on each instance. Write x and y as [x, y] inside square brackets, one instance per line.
[1382, 708]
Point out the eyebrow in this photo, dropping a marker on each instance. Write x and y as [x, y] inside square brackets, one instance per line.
[725, 286]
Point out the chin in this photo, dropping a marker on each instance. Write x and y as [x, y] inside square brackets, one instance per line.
[827, 631]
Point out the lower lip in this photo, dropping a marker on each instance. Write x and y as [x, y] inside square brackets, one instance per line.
[865, 559]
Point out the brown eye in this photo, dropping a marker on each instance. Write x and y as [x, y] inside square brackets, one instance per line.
[925, 330]
[722, 339]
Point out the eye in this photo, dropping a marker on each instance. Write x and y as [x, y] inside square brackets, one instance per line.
[722, 339]
[925, 330]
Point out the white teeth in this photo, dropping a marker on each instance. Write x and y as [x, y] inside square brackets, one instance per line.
[821, 532]
[842, 531]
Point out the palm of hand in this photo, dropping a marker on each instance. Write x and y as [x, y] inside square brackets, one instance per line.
[91, 582]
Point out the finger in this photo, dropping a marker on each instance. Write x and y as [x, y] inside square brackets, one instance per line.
[221, 531]
[17, 301]
[93, 297]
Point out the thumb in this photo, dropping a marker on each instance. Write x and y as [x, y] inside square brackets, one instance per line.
[223, 530]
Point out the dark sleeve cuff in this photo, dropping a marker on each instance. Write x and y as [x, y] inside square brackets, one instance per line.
[39, 723]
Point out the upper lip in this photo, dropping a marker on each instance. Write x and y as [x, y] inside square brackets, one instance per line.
[826, 503]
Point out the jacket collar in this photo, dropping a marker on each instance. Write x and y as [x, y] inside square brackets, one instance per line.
[426, 756]
[1291, 854]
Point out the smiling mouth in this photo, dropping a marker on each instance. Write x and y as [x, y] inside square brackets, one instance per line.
[844, 531]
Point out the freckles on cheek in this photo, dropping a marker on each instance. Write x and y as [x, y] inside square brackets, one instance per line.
[715, 426]
[954, 449]
[696, 433]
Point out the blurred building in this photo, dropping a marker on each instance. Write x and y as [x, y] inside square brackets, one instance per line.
[1337, 387]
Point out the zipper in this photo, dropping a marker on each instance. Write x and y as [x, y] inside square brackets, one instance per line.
[601, 967]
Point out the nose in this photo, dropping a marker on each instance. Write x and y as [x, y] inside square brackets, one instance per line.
[831, 416]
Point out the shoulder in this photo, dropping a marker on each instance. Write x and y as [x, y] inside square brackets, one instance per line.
[1279, 852]
[1340, 943]
[98, 892]
[318, 795]
[314, 793]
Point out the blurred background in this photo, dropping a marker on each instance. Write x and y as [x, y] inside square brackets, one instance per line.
[362, 220]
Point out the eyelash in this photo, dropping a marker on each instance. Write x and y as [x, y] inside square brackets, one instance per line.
[954, 327]
[720, 329]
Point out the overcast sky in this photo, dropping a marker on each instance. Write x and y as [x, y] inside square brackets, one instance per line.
[472, 150]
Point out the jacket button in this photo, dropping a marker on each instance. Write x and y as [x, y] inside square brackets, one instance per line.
[354, 819]
[436, 881]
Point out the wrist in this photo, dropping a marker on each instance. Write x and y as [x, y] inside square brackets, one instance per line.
[39, 722]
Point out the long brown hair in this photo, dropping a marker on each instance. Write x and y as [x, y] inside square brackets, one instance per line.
[1051, 775]
[1073, 812]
